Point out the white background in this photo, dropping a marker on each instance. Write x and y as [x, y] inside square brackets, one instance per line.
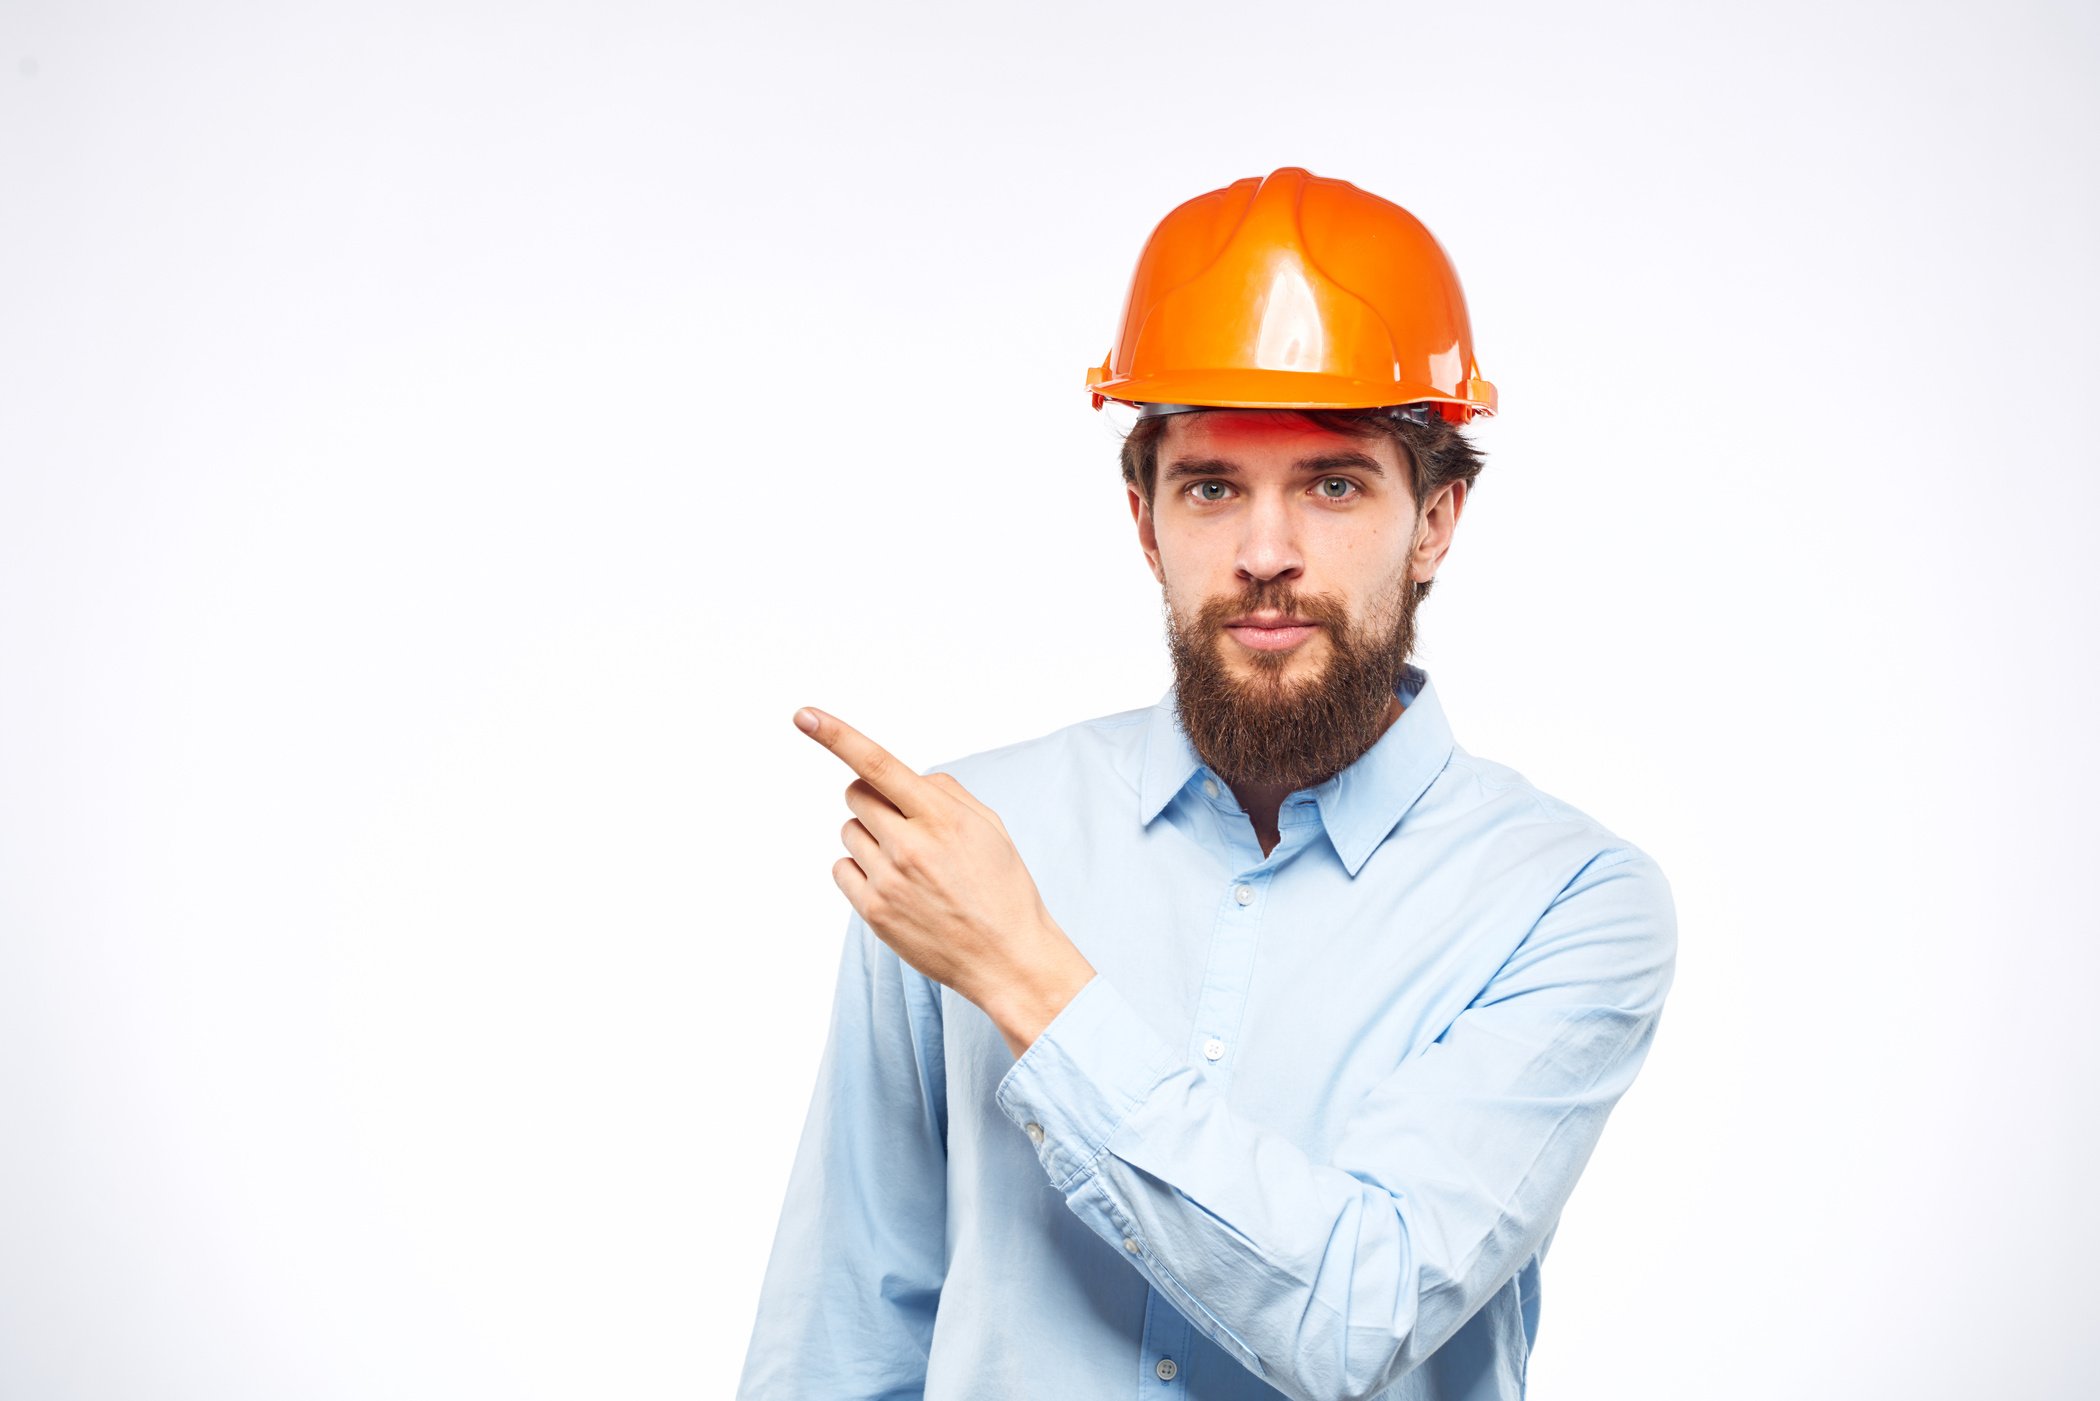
[441, 445]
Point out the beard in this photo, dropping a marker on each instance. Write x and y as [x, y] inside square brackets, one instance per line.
[1269, 727]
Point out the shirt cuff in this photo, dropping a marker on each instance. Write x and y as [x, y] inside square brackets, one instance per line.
[1081, 1078]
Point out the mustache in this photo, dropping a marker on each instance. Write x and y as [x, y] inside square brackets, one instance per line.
[1219, 611]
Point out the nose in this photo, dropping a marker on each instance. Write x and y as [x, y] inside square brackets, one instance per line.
[1268, 546]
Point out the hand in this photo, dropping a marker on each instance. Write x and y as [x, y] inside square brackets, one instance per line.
[935, 875]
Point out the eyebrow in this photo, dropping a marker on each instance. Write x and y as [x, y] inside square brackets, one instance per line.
[1221, 467]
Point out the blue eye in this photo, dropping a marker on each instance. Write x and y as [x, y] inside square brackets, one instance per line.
[1350, 489]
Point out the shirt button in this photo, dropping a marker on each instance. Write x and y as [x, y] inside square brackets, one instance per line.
[1244, 894]
[1034, 1131]
[1166, 1369]
[1210, 790]
[1130, 1245]
[1213, 1049]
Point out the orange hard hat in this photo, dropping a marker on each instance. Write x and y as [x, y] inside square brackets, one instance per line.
[1293, 291]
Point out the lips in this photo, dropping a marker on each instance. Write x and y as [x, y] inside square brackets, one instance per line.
[1286, 634]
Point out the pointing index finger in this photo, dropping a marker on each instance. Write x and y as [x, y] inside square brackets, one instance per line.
[890, 776]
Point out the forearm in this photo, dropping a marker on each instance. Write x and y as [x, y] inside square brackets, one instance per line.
[1322, 1280]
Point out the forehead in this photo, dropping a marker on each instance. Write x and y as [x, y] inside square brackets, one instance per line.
[1261, 436]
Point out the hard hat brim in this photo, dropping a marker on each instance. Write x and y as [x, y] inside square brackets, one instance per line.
[1284, 389]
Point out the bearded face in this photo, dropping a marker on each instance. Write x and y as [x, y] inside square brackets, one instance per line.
[1261, 519]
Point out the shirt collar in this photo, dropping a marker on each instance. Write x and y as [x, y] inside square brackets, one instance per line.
[1358, 806]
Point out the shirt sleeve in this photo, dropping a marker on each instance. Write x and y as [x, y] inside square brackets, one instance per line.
[1334, 1279]
[846, 1309]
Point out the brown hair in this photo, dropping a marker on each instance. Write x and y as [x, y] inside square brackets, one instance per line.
[1436, 452]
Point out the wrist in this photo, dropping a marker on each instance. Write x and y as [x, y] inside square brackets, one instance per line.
[1031, 1002]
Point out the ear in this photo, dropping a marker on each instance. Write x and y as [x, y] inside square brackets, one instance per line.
[1148, 541]
[1438, 524]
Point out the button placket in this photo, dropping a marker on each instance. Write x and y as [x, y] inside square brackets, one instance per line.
[1222, 998]
[1166, 1339]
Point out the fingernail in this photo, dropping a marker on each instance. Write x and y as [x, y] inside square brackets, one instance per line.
[807, 719]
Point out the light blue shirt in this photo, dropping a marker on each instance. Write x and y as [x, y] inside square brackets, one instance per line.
[1308, 1131]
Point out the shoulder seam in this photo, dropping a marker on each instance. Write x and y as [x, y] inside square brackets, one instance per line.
[1122, 719]
[1547, 805]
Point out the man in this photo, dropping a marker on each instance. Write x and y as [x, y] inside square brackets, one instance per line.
[1252, 1043]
